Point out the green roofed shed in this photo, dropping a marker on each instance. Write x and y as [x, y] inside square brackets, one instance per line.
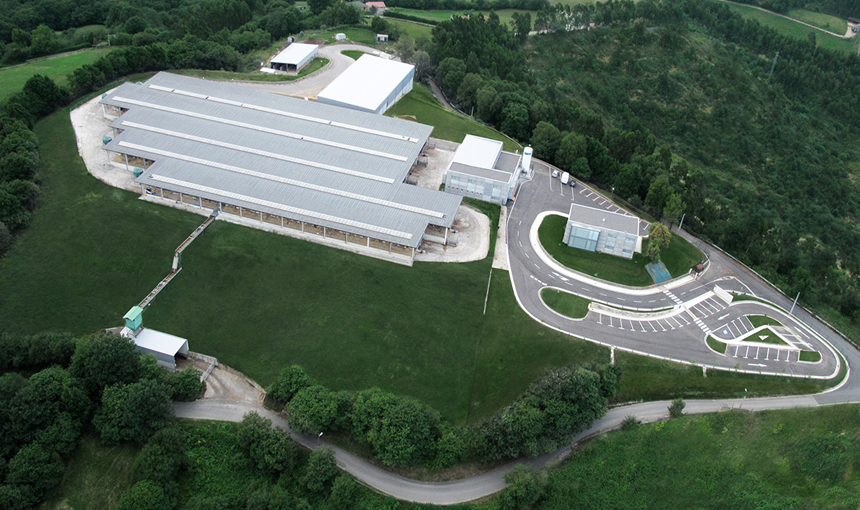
[134, 318]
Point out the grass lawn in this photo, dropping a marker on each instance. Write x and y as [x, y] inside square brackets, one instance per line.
[354, 54]
[793, 29]
[354, 35]
[315, 65]
[96, 476]
[832, 23]
[679, 257]
[644, 378]
[12, 79]
[799, 458]
[811, 356]
[767, 336]
[505, 15]
[716, 345]
[569, 305]
[420, 105]
[411, 29]
[762, 320]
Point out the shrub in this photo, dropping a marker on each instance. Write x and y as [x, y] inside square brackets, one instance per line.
[290, 381]
[186, 384]
[676, 410]
[630, 422]
[145, 495]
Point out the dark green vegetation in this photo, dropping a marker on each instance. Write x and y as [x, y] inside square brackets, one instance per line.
[421, 106]
[811, 356]
[569, 305]
[670, 103]
[716, 345]
[762, 320]
[12, 79]
[644, 378]
[400, 431]
[99, 381]
[800, 458]
[794, 29]
[679, 257]
[769, 337]
[839, 8]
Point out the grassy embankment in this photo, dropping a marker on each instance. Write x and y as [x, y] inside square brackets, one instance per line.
[567, 304]
[12, 79]
[801, 458]
[794, 29]
[315, 65]
[505, 15]
[830, 23]
[421, 106]
[679, 257]
[354, 54]
[411, 29]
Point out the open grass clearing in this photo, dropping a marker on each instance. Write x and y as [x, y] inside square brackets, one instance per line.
[716, 345]
[679, 257]
[315, 65]
[356, 35]
[799, 458]
[831, 23]
[794, 29]
[645, 378]
[810, 356]
[767, 336]
[421, 106]
[565, 303]
[96, 476]
[12, 78]
[762, 320]
[505, 15]
[354, 54]
[411, 29]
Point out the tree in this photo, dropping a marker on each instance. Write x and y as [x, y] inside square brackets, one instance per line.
[450, 73]
[312, 410]
[674, 208]
[133, 412]
[405, 48]
[162, 458]
[145, 495]
[467, 94]
[344, 493]
[676, 410]
[290, 381]
[104, 360]
[521, 24]
[570, 149]
[658, 194]
[36, 467]
[186, 385]
[545, 140]
[524, 488]
[341, 13]
[658, 240]
[269, 449]
[5, 238]
[318, 6]
[379, 25]
[321, 470]
[515, 121]
[44, 41]
[423, 65]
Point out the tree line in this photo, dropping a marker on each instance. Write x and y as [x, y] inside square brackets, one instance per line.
[100, 381]
[400, 431]
[673, 107]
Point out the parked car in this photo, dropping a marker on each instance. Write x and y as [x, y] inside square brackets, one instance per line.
[555, 174]
[565, 178]
[572, 183]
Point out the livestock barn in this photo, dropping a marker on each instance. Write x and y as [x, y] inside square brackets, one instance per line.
[294, 57]
[371, 84]
[310, 170]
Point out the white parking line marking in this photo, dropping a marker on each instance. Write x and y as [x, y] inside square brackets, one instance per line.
[652, 326]
[621, 299]
[766, 356]
[747, 353]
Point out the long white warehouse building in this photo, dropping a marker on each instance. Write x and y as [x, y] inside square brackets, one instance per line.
[371, 84]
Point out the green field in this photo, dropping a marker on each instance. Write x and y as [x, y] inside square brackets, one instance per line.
[259, 301]
[315, 65]
[836, 25]
[411, 29]
[762, 320]
[354, 54]
[645, 378]
[421, 106]
[769, 337]
[12, 79]
[679, 257]
[802, 458]
[505, 15]
[565, 303]
[793, 29]
[353, 35]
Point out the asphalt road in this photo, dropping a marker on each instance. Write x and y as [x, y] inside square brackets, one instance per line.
[698, 311]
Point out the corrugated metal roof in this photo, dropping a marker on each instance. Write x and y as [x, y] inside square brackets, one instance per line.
[367, 82]
[478, 152]
[295, 53]
[593, 217]
[324, 165]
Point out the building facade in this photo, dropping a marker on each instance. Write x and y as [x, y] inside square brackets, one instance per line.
[602, 231]
[481, 169]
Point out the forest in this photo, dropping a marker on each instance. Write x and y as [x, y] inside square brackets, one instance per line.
[682, 109]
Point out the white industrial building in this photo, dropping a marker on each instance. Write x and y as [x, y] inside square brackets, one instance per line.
[602, 231]
[371, 84]
[163, 346]
[301, 168]
[294, 57]
[481, 169]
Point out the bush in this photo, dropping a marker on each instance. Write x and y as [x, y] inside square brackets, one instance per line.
[270, 450]
[133, 412]
[290, 381]
[186, 384]
[525, 487]
[676, 410]
[312, 410]
[630, 422]
[321, 470]
[104, 360]
[162, 458]
[344, 493]
[145, 495]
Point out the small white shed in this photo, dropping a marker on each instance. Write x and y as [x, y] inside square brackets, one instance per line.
[340, 37]
[163, 346]
[294, 57]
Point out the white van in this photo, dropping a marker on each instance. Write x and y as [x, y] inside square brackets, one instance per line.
[565, 178]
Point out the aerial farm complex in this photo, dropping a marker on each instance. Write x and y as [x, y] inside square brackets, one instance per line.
[319, 170]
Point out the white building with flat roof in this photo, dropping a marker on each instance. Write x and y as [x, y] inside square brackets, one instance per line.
[294, 57]
[371, 84]
[602, 231]
[481, 169]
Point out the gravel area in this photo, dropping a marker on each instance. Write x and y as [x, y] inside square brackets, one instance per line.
[473, 240]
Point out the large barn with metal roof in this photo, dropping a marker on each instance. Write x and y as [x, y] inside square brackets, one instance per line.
[315, 169]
